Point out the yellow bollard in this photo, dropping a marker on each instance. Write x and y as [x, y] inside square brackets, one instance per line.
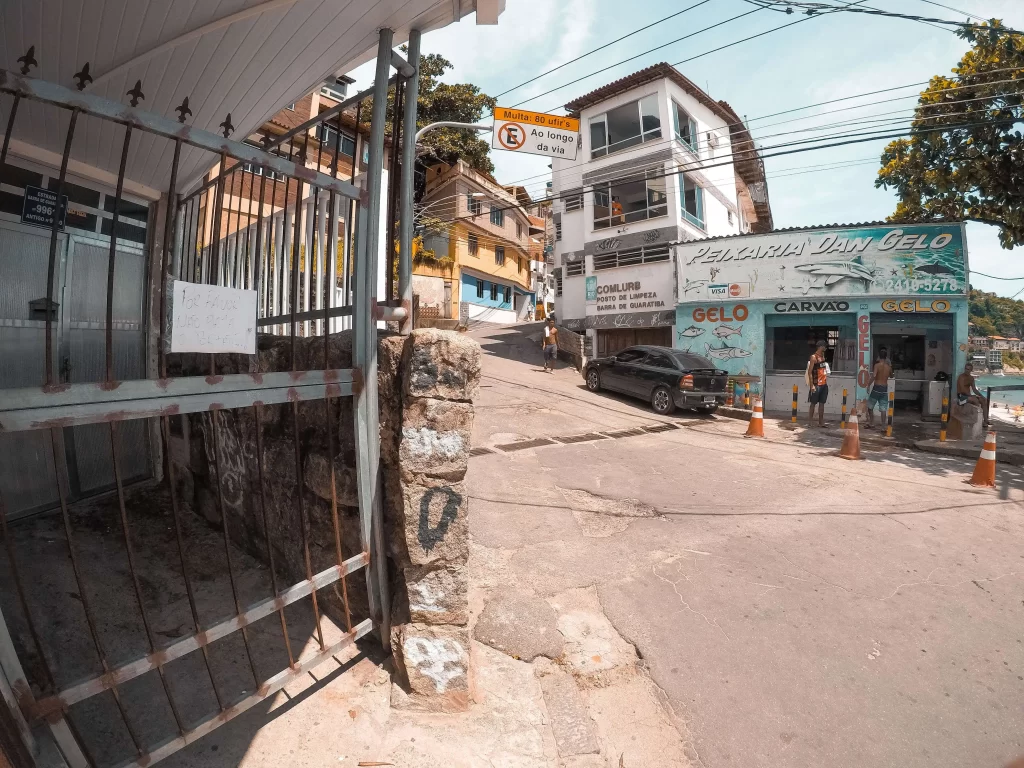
[888, 424]
[945, 418]
[842, 422]
[796, 391]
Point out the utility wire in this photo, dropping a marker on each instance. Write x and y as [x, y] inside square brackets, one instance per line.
[601, 48]
[993, 277]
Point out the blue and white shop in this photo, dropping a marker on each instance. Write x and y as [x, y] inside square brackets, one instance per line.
[757, 306]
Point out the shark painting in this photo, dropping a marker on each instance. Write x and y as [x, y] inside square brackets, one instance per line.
[934, 269]
[725, 352]
[693, 285]
[836, 271]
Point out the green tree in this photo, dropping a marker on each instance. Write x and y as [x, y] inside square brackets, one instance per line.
[459, 102]
[965, 156]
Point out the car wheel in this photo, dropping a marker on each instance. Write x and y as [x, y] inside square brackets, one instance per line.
[661, 401]
[593, 380]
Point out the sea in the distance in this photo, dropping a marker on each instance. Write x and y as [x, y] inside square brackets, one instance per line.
[1016, 397]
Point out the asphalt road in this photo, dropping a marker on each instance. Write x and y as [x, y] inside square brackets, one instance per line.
[796, 609]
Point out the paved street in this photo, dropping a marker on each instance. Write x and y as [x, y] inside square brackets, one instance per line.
[795, 608]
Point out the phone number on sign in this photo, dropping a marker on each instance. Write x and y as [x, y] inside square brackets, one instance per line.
[905, 284]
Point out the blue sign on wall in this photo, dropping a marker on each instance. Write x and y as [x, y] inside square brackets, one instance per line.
[40, 205]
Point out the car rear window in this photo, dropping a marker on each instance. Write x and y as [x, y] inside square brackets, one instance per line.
[691, 361]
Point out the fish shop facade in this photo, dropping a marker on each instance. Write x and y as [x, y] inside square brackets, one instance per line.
[757, 306]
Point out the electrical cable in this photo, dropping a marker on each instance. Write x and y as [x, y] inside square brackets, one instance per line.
[993, 277]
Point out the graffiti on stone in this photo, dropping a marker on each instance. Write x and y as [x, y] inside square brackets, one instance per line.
[429, 536]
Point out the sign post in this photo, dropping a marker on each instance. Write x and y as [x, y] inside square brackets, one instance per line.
[536, 133]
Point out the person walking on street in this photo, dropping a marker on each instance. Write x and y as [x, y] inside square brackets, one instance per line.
[549, 343]
[879, 394]
[816, 377]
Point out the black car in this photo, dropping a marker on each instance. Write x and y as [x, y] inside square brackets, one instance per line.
[666, 378]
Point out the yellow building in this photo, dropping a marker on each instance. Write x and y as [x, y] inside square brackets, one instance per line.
[480, 236]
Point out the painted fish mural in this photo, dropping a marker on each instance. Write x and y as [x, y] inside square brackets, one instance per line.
[691, 333]
[724, 352]
[935, 269]
[836, 271]
[725, 331]
[693, 285]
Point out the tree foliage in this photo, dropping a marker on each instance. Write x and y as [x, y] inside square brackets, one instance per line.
[965, 156]
[996, 316]
[459, 102]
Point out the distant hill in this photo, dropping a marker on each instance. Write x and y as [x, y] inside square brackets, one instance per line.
[994, 315]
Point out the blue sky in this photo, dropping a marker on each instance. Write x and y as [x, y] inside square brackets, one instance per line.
[816, 60]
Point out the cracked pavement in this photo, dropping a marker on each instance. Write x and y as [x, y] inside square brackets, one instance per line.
[795, 609]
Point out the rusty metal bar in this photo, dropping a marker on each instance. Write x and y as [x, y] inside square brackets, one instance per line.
[351, 209]
[61, 472]
[393, 172]
[303, 522]
[7, 134]
[215, 267]
[51, 269]
[311, 315]
[293, 299]
[217, 465]
[170, 226]
[117, 112]
[104, 411]
[258, 259]
[133, 569]
[199, 256]
[258, 413]
[109, 330]
[180, 648]
[165, 428]
[269, 688]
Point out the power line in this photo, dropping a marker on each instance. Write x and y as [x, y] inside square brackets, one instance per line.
[601, 48]
[993, 277]
[955, 10]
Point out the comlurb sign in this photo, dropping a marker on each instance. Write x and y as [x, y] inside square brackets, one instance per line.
[648, 288]
[535, 133]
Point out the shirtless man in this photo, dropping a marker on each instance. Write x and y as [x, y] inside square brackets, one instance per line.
[967, 388]
[879, 394]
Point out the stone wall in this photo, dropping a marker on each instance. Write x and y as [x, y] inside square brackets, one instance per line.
[426, 385]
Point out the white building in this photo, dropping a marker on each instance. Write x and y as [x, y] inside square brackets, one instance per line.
[660, 163]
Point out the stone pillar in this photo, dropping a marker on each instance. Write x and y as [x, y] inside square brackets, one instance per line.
[428, 519]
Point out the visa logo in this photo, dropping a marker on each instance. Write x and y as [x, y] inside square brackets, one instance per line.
[718, 291]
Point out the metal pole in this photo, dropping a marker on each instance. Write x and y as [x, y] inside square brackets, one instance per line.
[412, 94]
[842, 422]
[796, 392]
[364, 352]
[945, 418]
[988, 403]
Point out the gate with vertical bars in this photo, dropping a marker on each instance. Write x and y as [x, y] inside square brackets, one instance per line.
[284, 221]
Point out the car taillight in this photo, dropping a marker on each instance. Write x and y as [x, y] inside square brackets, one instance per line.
[686, 382]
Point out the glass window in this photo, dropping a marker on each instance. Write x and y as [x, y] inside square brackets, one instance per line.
[618, 203]
[508, 295]
[692, 362]
[499, 254]
[256, 169]
[625, 126]
[630, 355]
[475, 206]
[494, 291]
[574, 200]
[660, 361]
[792, 346]
[329, 134]
[684, 127]
[558, 230]
[519, 228]
[479, 289]
[474, 245]
[692, 201]
[497, 216]
[558, 283]
[574, 268]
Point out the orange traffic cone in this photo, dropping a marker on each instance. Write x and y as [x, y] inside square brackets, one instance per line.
[851, 440]
[756, 426]
[985, 469]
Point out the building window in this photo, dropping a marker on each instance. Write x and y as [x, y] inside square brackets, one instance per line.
[334, 88]
[728, 215]
[519, 229]
[508, 295]
[621, 202]
[574, 268]
[494, 291]
[574, 200]
[479, 289]
[329, 135]
[499, 255]
[474, 244]
[475, 206]
[625, 126]
[497, 216]
[630, 257]
[558, 282]
[684, 127]
[291, 106]
[558, 230]
[692, 197]
[256, 169]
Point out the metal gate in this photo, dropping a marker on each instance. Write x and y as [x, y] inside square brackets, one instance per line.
[268, 221]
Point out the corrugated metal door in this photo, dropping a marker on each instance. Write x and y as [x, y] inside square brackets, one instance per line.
[83, 358]
[26, 472]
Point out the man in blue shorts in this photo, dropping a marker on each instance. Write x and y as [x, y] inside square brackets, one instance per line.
[879, 392]
[816, 377]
